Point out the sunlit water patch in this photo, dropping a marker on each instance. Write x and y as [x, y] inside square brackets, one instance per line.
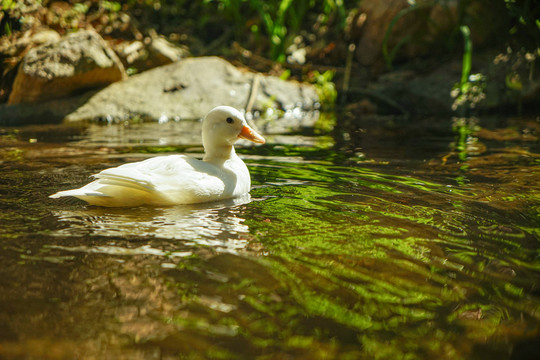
[215, 224]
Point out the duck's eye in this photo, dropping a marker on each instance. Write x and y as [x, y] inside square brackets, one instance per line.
[230, 120]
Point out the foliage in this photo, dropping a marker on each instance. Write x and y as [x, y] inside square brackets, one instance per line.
[526, 21]
[422, 12]
[104, 16]
[517, 71]
[519, 61]
[521, 19]
[282, 29]
[279, 20]
[326, 89]
[390, 54]
[12, 14]
[470, 90]
[267, 26]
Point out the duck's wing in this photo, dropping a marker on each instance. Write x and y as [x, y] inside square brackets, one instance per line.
[174, 179]
[161, 173]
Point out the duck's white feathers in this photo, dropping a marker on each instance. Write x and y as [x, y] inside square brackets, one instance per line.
[165, 180]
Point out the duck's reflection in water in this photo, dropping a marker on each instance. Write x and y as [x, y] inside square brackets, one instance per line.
[217, 224]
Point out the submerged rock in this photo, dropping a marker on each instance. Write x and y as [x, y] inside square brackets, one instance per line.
[79, 61]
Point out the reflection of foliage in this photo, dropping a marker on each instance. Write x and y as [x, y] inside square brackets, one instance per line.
[464, 143]
[351, 261]
[357, 264]
[463, 132]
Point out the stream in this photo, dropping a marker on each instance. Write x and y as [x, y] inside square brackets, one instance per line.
[380, 238]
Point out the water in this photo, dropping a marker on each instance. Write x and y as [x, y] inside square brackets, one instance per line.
[377, 240]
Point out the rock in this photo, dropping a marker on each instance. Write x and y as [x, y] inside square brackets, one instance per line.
[17, 47]
[142, 56]
[411, 31]
[378, 16]
[426, 28]
[44, 37]
[12, 51]
[79, 61]
[187, 89]
[163, 52]
[427, 93]
[404, 92]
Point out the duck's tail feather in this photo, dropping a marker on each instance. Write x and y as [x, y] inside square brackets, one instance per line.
[104, 180]
[76, 192]
[113, 190]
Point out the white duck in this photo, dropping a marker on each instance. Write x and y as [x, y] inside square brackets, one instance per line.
[179, 179]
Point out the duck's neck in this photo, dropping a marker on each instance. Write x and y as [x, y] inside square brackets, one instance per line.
[219, 153]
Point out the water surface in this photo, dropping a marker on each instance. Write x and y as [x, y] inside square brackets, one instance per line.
[381, 239]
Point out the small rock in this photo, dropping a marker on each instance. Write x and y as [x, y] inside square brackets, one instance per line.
[143, 56]
[79, 61]
[163, 52]
[45, 37]
[17, 47]
[12, 51]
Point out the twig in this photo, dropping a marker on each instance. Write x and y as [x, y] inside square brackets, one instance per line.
[347, 75]
[383, 98]
[251, 101]
[222, 39]
[269, 63]
[254, 90]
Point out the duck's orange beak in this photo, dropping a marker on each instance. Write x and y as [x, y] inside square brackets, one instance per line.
[251, 135]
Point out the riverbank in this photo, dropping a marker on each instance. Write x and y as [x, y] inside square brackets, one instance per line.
[377, 59]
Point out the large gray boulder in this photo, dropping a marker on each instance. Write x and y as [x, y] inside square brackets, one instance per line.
[189, 89]
[79, 61]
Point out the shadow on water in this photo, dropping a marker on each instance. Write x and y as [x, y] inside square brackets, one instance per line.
[402, 242]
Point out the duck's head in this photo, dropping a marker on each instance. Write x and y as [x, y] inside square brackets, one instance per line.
[224, 125]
